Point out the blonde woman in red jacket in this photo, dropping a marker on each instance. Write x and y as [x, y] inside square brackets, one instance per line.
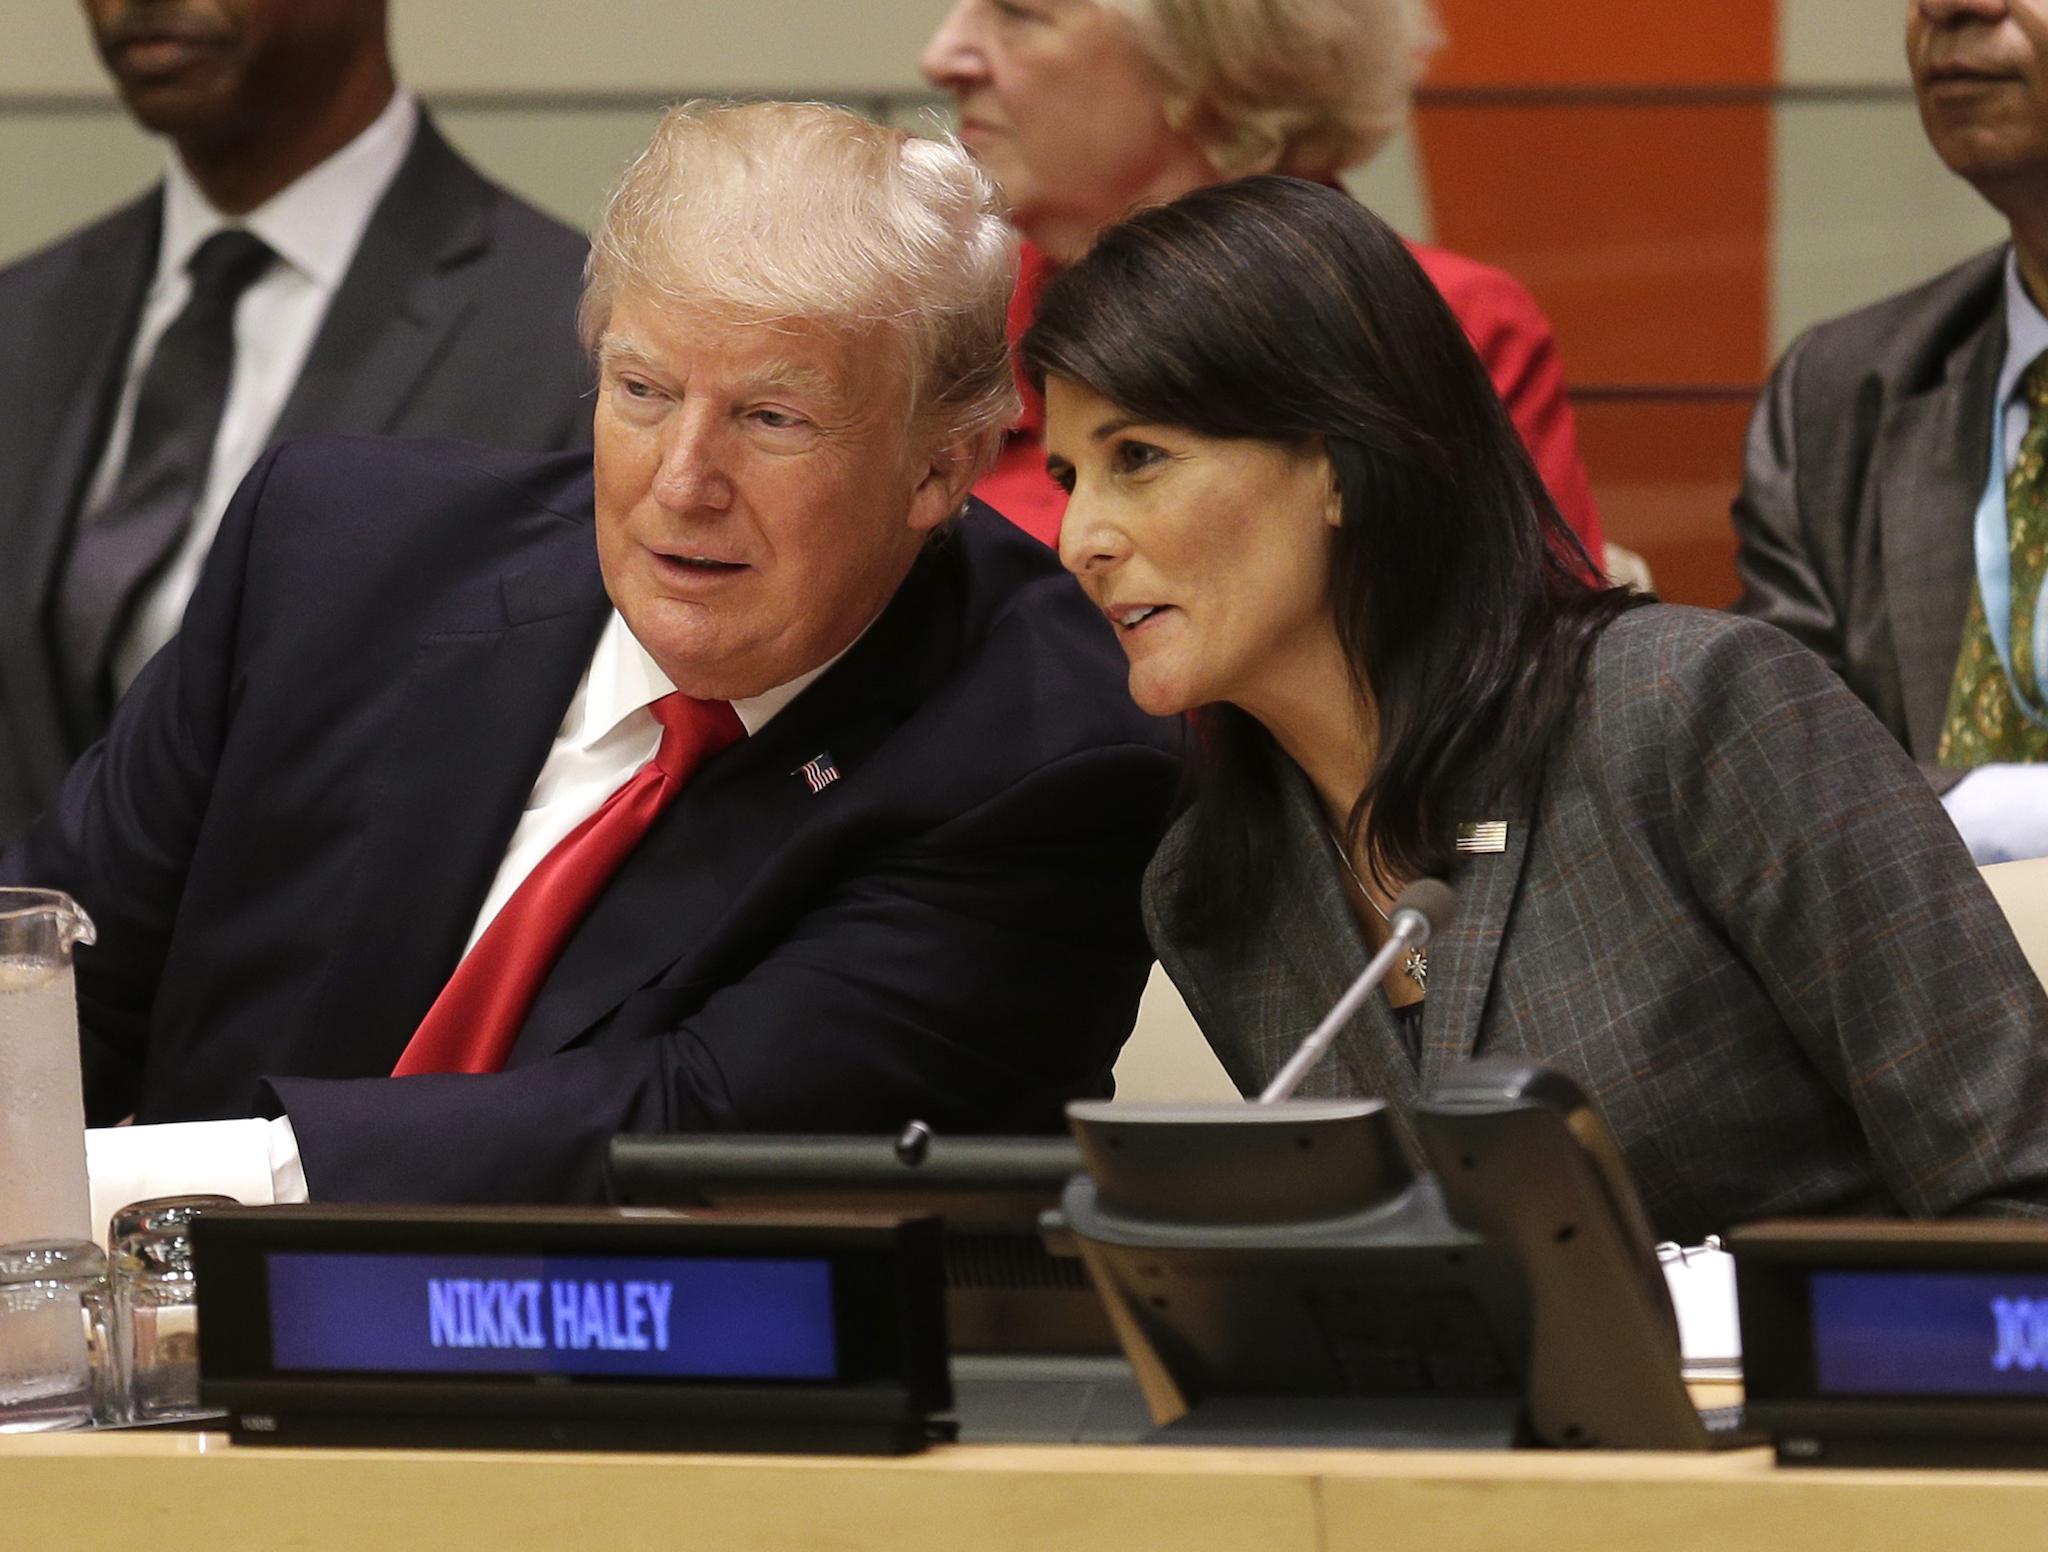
[1084, 109]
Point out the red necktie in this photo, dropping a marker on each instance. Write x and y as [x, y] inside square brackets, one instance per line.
[472, 1024]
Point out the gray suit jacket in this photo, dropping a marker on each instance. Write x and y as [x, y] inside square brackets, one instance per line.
[456, 319]
[1733, 912]
[1865, 459]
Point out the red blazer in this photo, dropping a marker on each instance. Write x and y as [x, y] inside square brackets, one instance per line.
[1501, 319]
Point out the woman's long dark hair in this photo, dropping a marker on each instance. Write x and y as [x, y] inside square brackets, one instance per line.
[1281, 310]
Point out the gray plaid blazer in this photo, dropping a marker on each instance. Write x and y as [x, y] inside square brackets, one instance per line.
[1733, 912]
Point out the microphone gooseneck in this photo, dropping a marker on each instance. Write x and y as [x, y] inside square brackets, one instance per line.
[1424, 909]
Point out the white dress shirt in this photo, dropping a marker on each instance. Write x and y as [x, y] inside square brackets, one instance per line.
[2002, 810]
[314, 226]
[2026, 336]
[607, 734]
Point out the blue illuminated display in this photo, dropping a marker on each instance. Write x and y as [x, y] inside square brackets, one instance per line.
[1930, 1334]
[596, 1316]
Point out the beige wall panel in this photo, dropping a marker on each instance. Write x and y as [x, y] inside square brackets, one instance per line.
[1166, 1057]
[563, 161]
[1392, 187]
[920, 111]
[62, 169]
[545, 45]
[773, 46]
[65, 167]
[564, 157]
[48, 49]
[1842, 42]
[1862, 208]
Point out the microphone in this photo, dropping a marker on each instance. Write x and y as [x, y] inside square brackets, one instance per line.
[1424, 909]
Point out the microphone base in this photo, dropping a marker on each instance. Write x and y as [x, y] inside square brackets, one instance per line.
[1230, 1163]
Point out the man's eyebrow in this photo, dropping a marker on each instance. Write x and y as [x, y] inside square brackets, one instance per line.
[785, 373]
[623, 348]
[797, 376]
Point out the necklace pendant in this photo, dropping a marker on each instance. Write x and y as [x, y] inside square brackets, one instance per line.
[1417, 969]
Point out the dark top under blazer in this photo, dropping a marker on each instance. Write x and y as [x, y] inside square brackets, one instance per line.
[1865, 460]
[456, 318]
[288, 832]
[1734, 913]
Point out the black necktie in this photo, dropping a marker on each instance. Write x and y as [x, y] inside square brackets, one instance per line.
[123, 544]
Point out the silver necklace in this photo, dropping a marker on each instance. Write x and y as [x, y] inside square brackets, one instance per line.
[1416, 965]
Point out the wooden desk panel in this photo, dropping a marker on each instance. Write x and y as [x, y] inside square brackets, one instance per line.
[1673, 1503]
[197, 1491]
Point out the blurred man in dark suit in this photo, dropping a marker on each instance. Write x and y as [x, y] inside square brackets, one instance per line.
[487, 806]
[1894, 509]
[316, 259]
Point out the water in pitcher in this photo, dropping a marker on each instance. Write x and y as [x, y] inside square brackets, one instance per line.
[43, 1191]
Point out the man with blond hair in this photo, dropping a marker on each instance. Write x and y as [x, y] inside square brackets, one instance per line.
[734, 777]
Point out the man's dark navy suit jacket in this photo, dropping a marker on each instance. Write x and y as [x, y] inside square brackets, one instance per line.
[287, 835]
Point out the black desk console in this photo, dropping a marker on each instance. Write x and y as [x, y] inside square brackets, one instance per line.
[596, 1329]
[1896, 1344]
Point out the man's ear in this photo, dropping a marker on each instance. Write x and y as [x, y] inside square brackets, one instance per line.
[948, 475]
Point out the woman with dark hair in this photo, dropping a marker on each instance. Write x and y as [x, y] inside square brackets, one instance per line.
[1083, 110]
[1693, 872]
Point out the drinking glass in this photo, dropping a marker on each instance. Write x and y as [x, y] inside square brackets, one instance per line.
[162, 1214]
[156, 1318]
[130, 1226]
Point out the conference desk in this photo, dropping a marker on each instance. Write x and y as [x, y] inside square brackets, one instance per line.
[161, 1491]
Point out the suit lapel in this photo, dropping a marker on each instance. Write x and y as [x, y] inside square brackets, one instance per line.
[479, 713]
[1933, 456]
[1325, 950]
[405, 295]
[1463, 958]
[51, 434]
[670, 909]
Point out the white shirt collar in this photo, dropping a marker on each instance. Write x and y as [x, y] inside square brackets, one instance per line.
[2026, 329]
[624, 678]
[315, 222]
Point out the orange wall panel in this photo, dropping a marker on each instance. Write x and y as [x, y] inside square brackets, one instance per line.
[1606, 42]
[1664, 472]
[1643, 226]
[1644, 232]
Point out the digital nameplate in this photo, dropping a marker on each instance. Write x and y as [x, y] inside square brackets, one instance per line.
[1909, 1333]
[714, 1317]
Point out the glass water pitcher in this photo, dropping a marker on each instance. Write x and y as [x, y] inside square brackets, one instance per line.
[42, 1105]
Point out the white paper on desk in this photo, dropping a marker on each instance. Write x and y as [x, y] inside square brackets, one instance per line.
[1702, 1283]
[181, 1158]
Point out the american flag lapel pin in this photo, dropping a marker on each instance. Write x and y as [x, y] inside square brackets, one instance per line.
[1484, 836]
[818, 772]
